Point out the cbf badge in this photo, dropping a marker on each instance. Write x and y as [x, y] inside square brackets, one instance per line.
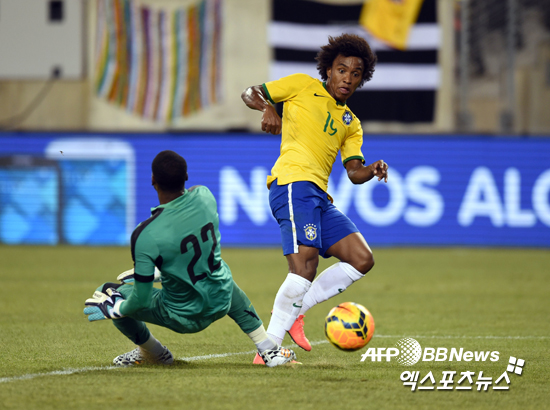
[347, 118]
[311, 231]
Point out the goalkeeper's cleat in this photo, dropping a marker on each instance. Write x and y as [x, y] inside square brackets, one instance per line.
[130, 358]
[258, 360]
[297, 334]
[278, 357]
[137, 356]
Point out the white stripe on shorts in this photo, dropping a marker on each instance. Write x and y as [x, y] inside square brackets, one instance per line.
[291, 211]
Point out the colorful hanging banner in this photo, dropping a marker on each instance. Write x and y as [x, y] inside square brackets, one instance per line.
[158, 64]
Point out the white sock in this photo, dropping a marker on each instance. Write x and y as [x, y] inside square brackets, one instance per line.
[152, 347]
[331, 282]
[286, 308]
[261, 339]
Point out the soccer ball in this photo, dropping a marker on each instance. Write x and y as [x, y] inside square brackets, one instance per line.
[349, 326]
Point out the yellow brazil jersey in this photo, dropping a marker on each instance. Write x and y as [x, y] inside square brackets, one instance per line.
[315, 128]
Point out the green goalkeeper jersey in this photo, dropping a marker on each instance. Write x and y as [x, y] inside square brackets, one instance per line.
[182, 239]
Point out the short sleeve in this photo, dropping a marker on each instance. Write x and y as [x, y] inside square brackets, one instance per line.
[351, 148]
[146, 253]
[286, 88]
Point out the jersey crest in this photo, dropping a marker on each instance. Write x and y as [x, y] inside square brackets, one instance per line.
[310, 231]
[347, 118]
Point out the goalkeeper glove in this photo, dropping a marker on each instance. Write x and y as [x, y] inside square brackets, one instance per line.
[128, 276]
[104, 305]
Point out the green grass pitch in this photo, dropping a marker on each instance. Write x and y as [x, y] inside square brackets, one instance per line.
[51, 357]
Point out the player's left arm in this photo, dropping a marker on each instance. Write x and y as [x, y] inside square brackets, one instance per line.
[353, 159]
[359, 173]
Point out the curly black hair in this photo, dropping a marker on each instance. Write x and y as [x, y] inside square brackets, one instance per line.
[348, 45]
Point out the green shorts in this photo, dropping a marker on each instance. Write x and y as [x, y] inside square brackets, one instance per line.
[157, 314]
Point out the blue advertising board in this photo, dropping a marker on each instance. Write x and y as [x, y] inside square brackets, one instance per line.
[92, 189]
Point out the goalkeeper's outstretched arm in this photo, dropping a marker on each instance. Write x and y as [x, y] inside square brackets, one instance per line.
[138, 299]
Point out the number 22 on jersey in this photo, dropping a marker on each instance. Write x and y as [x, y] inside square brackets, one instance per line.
[192, 239]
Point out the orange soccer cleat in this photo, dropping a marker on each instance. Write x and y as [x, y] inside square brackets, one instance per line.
[297, 334]
[258, 359]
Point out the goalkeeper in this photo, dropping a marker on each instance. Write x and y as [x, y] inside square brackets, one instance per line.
[181, 241]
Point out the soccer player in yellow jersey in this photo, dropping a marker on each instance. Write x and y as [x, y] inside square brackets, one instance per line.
[316, 124]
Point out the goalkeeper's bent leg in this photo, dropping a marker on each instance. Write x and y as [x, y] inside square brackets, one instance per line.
[133, 329]
[242, 311]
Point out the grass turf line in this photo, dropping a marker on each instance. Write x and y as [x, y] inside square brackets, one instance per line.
[249, 352]
[479, 299]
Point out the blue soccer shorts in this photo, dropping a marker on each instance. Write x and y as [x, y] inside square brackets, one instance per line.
[307, 217]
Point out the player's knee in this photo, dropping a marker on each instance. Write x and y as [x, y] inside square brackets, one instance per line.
[365, 262]
[304, 265]
[307, 270]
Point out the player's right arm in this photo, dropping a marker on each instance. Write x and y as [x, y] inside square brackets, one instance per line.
[144, 252]
[138, 299]
[255, 98]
